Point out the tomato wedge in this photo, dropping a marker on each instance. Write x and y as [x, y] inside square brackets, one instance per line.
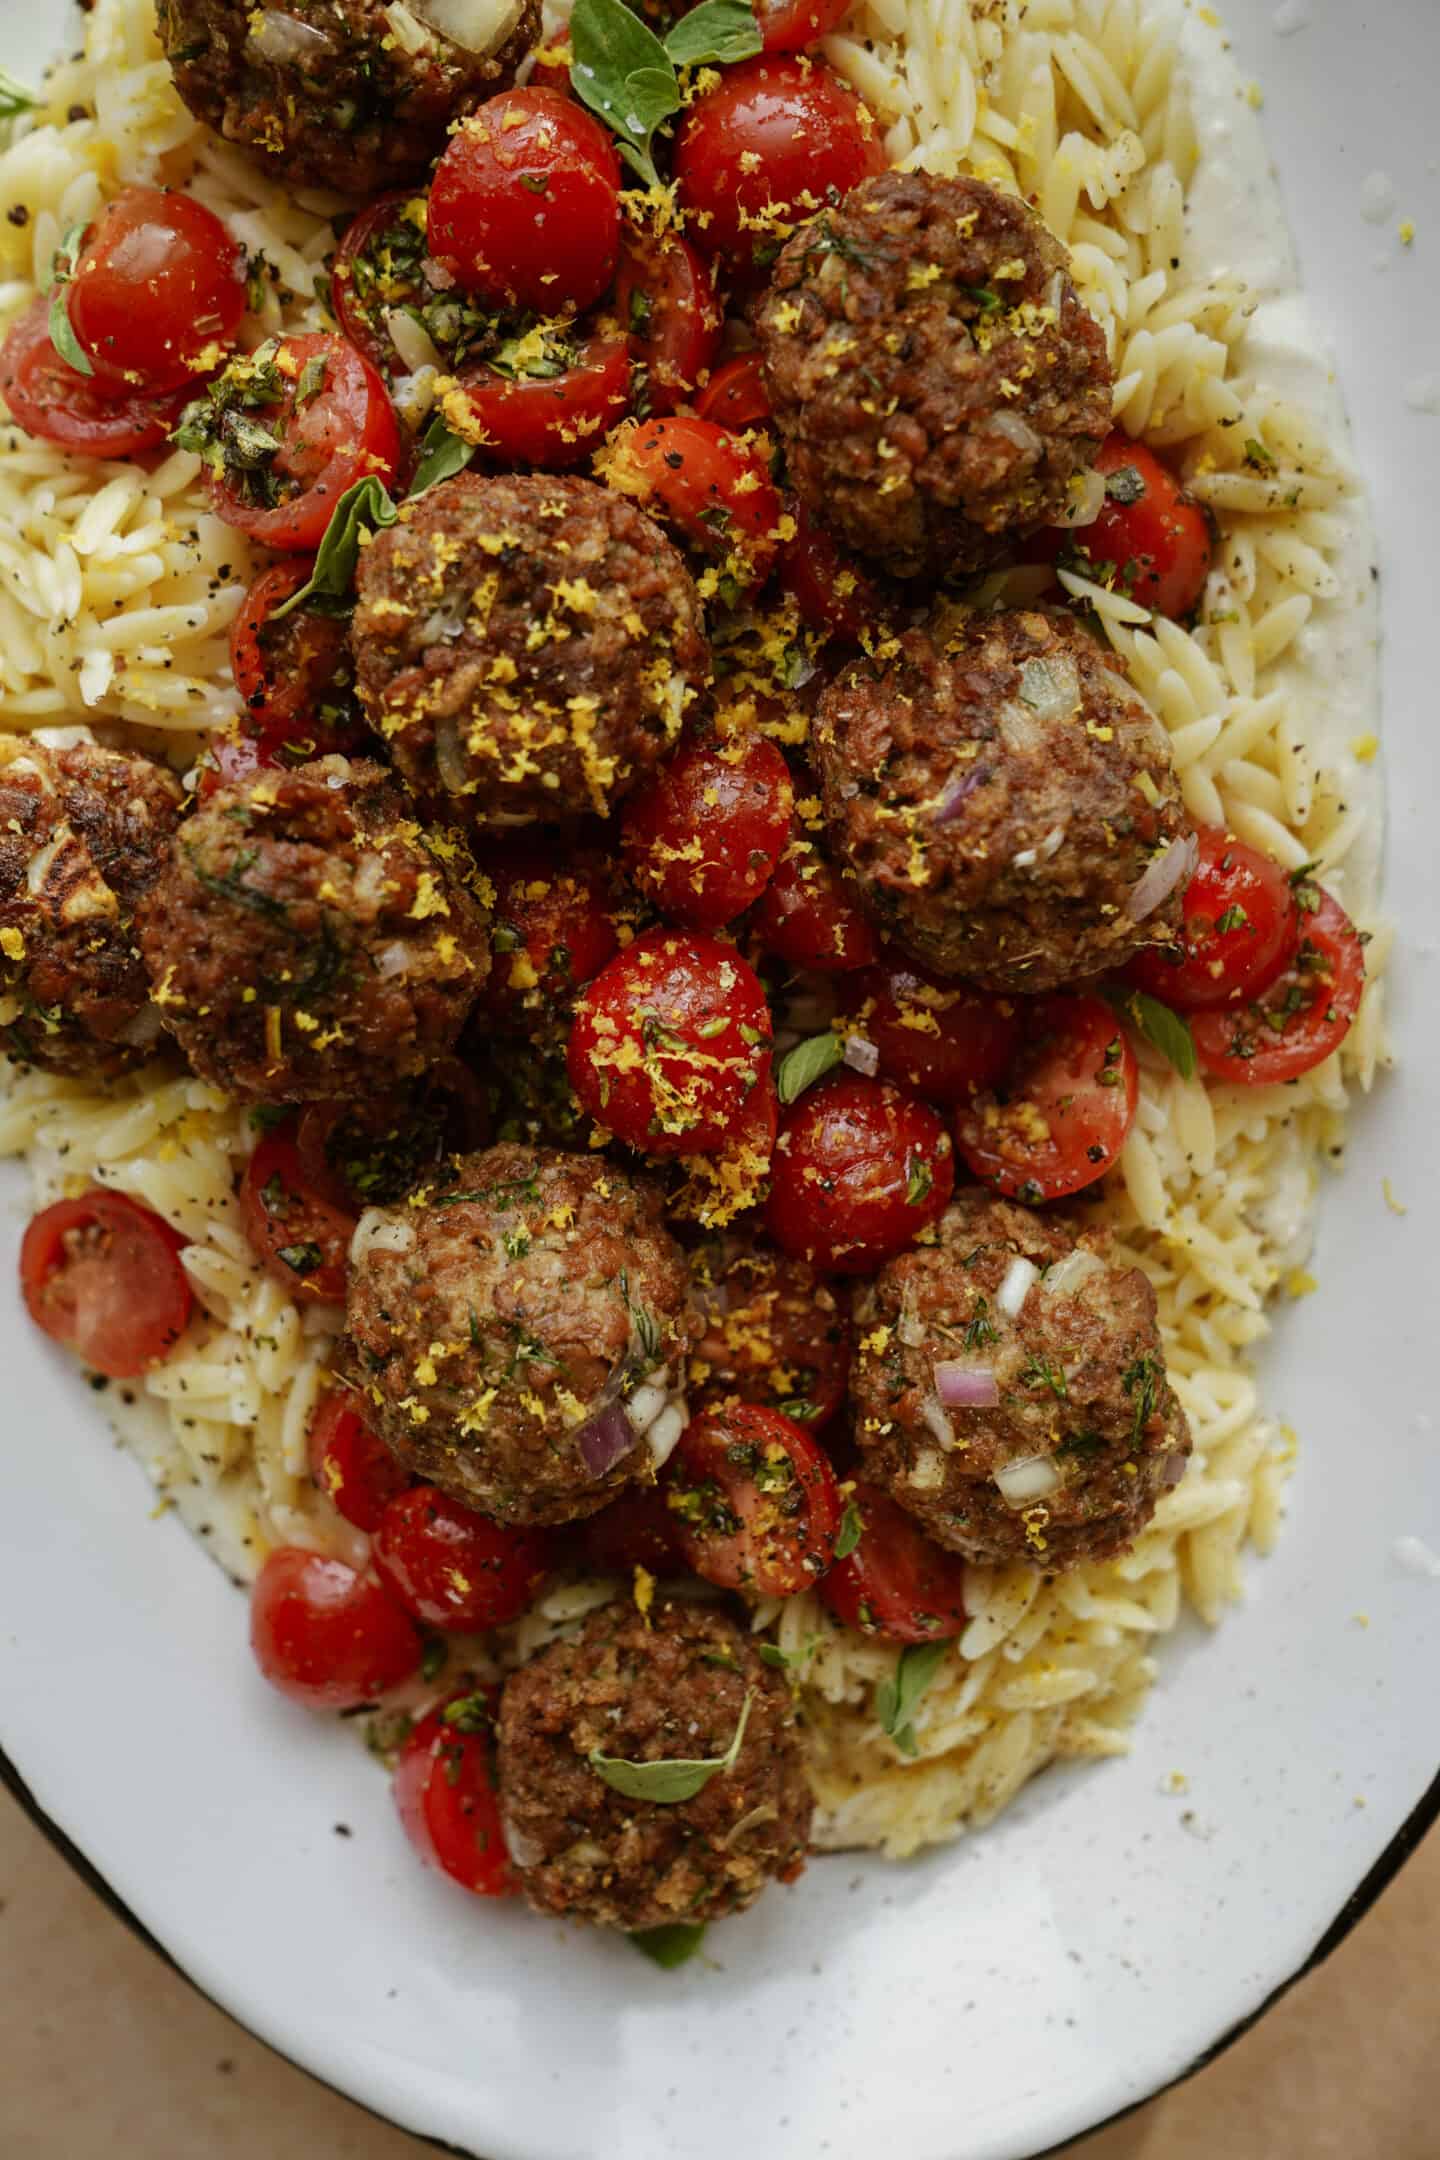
[1060, 1117]
[102, 1275]
[756, 1501]
[445, 1790]
[736, 396]
[896, 1583]
[1305, 1013]
[300, 1230]
[50, 399]
[665, 298]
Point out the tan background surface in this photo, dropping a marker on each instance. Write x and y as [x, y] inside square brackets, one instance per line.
[103, 2052]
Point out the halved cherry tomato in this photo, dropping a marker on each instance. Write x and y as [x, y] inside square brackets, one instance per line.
[1058, 1119]
[806, 916]
[665, 299]
[445, 1789]
[792, 25]
[525, 203]
[552, 932]
[1303, 1015]
[451, 1568]
[52, 400]
[374, 1152]
[669, 1042]
[828, 586]
[1240, 927]
[774, 1333]
[326, 1636]
[713, 485]
[296, 676]
[896, 1583]
[102, 1275]
[157, 292]
[735, 396]
[756, 1501]
[300, 1231]
[1149, 538]
[859, 1169]
[637, 1530]
[383, 272]
[942, 1038]
[550, 420]
[349, 1463]
[701, 838]
[775, 140]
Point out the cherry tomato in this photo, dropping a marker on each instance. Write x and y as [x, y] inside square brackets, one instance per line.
[157, 292]
[1155, 538]
[944, 1039]
[701, 838]
[300, 1230]
[714, 486]
[451, 1568]
[669, 1042]
[331, 413]
[665, 298]
[792, 25]
[380, 267]
[896, 1583]
[828, 586]
[637, 1530]
[549, 420]
[52, 400]
[756, 1501]
[806, 916]
[1303, 1015]
[296, 675]
[102, 1275]
[326, 1636]
[349, 1463]
[774, 141]
[551, 933]
[233, 761]
[774, 1334]
[736, 396]
[1240, 927]
[525, 203]
[445, 1789]
[859, 1169]
[375, 1151]
[1059, 1118]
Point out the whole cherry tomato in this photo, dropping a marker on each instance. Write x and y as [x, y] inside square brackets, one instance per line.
[806, 916]
[157, 292]
[102, 1275]
[1303, 1015]
[714, 486]
[944, 1039]
[1150, 539]
[702, 836]
[665, 299]
[1240, 926]
[756, 1501]
[452, 1568]
[326, 1636]
[349, 1463]
[294, 674]
[859, 1169]
[552, 419]
[793, 25]
[300, 1229]
[445, 1789]
[1058, 1119]
[52, 400]
[896, 1582]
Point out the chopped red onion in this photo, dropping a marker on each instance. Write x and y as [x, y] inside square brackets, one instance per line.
[862, 1056]
[281, 38]
[950, 802]
[966, 1387]
[605, 1439]
[1173, 1469]
[1168, 870]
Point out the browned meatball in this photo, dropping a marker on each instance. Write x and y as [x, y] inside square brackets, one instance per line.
[935, 380]
[307, 940]
[527, 646]
[1074, 1431]
[775, 1331]
[521, 1330]
[674, 1684]
[328, 92]
[998, 792]
[83, 832]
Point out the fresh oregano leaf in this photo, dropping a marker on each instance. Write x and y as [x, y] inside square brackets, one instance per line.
[621, 71]
[896, 1699]
[366, 507]
[1165, 1029]
[672, 1779]
[806, 1063]
[716, 31]
[670, 1946]
[442, 454]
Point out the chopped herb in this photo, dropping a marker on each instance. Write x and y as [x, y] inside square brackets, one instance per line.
[985, 298]
[304, 1259]
[1141, 1382]
[852, 1529]
[897, 1697]
[1125, 485]
[979, 1329]
[1161, 1027]
[1234, 918]
[643, 1321]
[1257, 456]
[433, 1656]
[1040, 1373]
[469, 1713]
[806, 1063]
[672, 1945]
[919, 1180]
[311, 379]
[672, 1779]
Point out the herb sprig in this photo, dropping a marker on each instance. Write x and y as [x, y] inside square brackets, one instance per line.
[623, 72]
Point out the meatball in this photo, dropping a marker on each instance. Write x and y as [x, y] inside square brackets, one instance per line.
[521, 1332]
[83, 832]
[307, 940]
[999, 794]
[527, 645]
[934, 379]
[638, 1688]
[1063, 1429]
[326, 92]
[775, 1331]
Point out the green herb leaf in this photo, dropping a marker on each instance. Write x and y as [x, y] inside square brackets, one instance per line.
[442, 455]
[304, 1259]
[919, 1181]
[806, 1063]
[62, 333]
[670, 1946]
[852, 1529]
[1165, 1029]
[897, 1698]
[1125, 485]
[717, 30]
[674, 1778]
[14, 97]
[1234, 918]
[622, 72]
[366, 507]
[312, 379]
[1257, 456]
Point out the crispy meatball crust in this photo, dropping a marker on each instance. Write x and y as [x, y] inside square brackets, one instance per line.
[324, 91]
[527, 645]
[935, 380]
[996, 790]
[307, 939]
[1081, 1379]
[491, 1319]
[83, 833]
[673, 1686]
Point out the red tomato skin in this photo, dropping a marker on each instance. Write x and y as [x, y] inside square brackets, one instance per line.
[806, 917]
[713, 486]
[794, 25]
[445, 1790]
[687, 1097]
[526, 213]
[102, 1275]
[1236, 964]
[545, 909]
[1246, 1047]
[850, 1153]
[344, 433]
[282, 691]
[897, 1584]
[777, 138]
[283, 1210]
[158, 291]
[1076, 1068]
[326, 1636]
[665, 299]
[1162, 534]
[232, 762]
[736, 396]
[828, 586]
[350, 1464]
[451, 1568]
[702, 837]
[53, 401]
[975, 1034]
[637, 1530]
[784, 1535]
[549, 423]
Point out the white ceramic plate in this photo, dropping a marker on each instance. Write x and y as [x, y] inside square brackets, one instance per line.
[989, 2001]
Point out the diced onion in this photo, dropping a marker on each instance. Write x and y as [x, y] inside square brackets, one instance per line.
[1020, 1279]
[281, 39]
[62, 738]
[1050, 688]
[524, 1850]
[378, 1231]
[479, 26]
[664, 1433]
[393, 959]
[649, 1399]
[1070, 1274]
[966, 1387]
[1033, 1477]
[936, 1421]
[1168, 870]
[1087, 500]
[927, 1471]
[452, 762]
[911, 1330]
[1019, 729]
[410, 34]
[1173, 1469]
[862, 1056]
[411, 339]
[604, 1440]
[1015, 430]
[953, 799]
